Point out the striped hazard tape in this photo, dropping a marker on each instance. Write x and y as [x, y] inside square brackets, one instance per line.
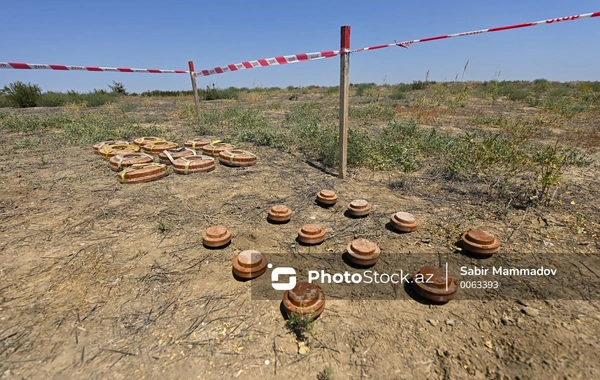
[287, 59]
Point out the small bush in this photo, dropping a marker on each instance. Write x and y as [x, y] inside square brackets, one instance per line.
[419, 85]
[214, 93]
[22, 95]
[363, 89]
[399, 91]
[97, 98]
[513, 91]
[53, 99]
[335, 90]
[4, 102]
[118, 88]
[540, 85]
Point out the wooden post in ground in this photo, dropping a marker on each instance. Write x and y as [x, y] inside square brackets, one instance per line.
[195, 88]
[344, 88]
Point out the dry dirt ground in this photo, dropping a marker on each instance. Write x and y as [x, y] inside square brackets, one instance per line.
[104, 280]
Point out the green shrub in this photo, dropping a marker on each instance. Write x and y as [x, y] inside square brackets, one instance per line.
[335, 90]
[118, 88]
[97, 98]
[513, 91]
[362, 89]
[399, 91]
[540, 85]
[4, 102]
[22, 95]
[53, 99]
[419, 85]
[214, 93]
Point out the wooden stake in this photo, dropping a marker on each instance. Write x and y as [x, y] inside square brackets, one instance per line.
[344, 88]
[195, 88]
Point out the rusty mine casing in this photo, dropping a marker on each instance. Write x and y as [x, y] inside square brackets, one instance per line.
[359, 207]
[279, 214]
[305, 299]
[124, 160]
[431, 284]
[480, 243]
[146, 139]
[156, 147]
[168, 156]
[363, 252]
[194, 164]
[216, 236]
[404, 222]
[311, 234]
[249, 264]
[215, 148]
[97, 146]
[197, 143]
[107, 151]
[237, 158]
[327, 198]
[138, 173]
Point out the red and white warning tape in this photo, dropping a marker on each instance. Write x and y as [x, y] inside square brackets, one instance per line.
[280, 60]
[406, 44]
[285, 59]
[43, 66]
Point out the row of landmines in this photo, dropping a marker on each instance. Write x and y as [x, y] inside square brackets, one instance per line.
[135, 161]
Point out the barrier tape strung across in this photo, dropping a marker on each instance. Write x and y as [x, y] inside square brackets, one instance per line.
[43, 66]
[406, 44]
[286, 59]
[280, 60]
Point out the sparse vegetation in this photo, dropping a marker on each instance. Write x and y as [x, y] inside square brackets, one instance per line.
[79, 126]
[118, 88]
[326, 374]
[22, 95]
[300, 325]
[386, 133]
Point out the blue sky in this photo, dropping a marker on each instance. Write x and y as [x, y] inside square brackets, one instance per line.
[167, 34]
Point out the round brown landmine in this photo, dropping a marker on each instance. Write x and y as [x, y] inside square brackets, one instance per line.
[279, 213]
[249, 264]
[97, 146]
[216, 236]
[138, 173]
[197, 143]
[237, 158]
[147, 139]
[434, 285]
[156, 147]
[123, 160]
[363, 252]
[305, 299]
[194, 164]
[480, 243]
[327, 197]
[213, 149]
[168, 156]
[404, 222]
[359, 207]
[311, 234]
[107, 151]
